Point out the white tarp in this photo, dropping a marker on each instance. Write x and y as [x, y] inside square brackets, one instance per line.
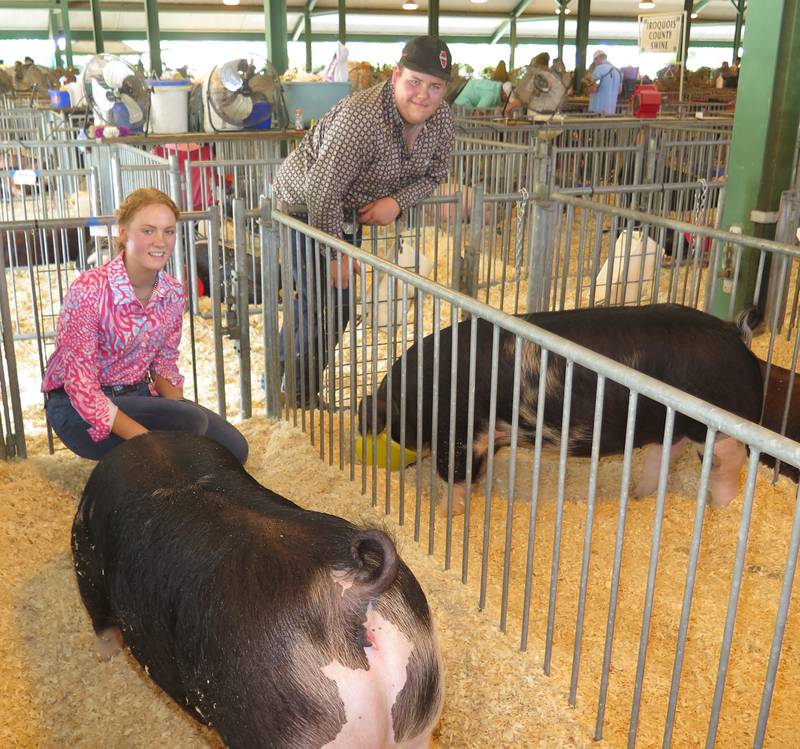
[660, 32]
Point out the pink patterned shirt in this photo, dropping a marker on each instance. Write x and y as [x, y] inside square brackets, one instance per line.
[106, 336]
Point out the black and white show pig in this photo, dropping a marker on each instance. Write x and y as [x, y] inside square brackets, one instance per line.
[277, 626]
[777, 391]
[683, 347]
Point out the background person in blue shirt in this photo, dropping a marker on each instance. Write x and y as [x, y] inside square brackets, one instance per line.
[608, 80]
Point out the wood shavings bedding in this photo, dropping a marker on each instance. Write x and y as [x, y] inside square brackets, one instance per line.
[55, 693]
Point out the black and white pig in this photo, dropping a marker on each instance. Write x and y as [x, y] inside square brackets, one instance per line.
[277, 626]
[777, 392]
[683, 347]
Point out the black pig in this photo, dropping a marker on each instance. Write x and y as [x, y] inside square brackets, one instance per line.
[278, 626]
[683, 347]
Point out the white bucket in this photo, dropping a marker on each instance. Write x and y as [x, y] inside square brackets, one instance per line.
[169, 106]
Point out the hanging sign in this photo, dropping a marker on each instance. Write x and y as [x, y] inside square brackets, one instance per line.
[660, 32]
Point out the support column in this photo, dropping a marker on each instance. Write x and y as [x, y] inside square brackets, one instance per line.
[97, 26]
[737, 30]
[764, 132]
[153, 36]
[64, 4]
[562, 21]
[307, 34]
[276, 34]
[513, 45]
[433, 17]
[581, 40]
[54, 31]
[342, 23]
[687, 7]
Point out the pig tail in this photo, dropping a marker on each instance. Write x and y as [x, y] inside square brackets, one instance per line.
[747, 322]
[376, 561]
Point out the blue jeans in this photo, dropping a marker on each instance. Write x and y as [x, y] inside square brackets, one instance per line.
[151, 411]
[305, 298]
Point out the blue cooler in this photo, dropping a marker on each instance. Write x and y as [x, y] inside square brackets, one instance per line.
[59, 99]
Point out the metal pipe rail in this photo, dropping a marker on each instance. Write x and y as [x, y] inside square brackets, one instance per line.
[720, 420]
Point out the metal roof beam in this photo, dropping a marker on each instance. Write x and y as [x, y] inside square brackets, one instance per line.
[298, 27]
[258, 36]
[521, 7]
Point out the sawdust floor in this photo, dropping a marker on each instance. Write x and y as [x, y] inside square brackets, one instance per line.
[764, 566]
[55, 693]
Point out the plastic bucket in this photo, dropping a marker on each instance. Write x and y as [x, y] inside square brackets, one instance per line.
[169, 106]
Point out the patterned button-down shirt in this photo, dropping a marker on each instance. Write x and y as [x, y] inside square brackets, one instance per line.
[356, 154]
[106, 336]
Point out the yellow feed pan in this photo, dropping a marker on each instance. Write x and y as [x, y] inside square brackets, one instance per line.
[395, 453]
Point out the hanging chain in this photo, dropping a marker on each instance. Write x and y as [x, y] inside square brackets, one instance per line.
[522, 205]
[700, 203]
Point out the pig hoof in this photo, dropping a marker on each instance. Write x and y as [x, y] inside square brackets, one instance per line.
[459, 504]
[108, 643]
[722, 497]
[643, 489]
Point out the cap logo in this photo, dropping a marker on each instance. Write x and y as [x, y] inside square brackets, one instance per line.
[443, 59]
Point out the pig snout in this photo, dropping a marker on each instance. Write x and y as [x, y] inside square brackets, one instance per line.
[275, 625]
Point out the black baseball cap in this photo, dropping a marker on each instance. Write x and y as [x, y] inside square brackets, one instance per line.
[428, 54]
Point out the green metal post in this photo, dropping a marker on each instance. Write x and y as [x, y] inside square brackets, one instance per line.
[764, 132]
[687, 7]
[97, 26]
[433, 17]
[513, 45]
[277, 34]
[581, 40]
[53, 15]
[737, 30]
[562, 20]
[153, 36]
[307, 34]
[342, 22]
[65, 28]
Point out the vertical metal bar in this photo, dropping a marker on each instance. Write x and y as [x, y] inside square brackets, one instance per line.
[512, 475]
[562, 472]
[270, 268]
[153, 36]
[487, 513]
[537, 466]
[473, 333]
[691, 573]
[6, 329]
[587, 539]
[242, 307]
[651, 575]
[451, 432]
[436, 366]
[215, 281]
[733, 598]
[97, 26]
[780, 626]
[615, 575]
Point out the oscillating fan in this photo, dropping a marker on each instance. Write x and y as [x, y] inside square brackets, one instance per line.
[244, 94]
[542, 90]
[117, 94]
